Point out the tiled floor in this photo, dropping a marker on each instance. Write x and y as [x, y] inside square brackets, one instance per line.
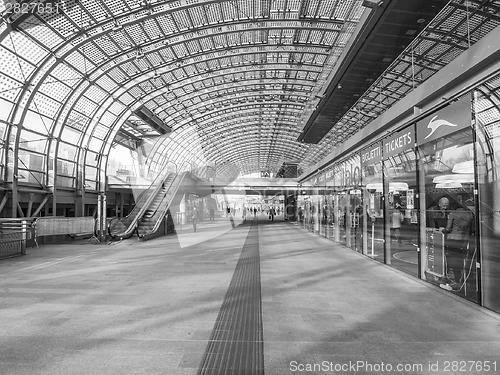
[149, 308]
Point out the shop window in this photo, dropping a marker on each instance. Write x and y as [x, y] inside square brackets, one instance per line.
[373, 192]
[400, 187]
[448, 182]
[487, 120]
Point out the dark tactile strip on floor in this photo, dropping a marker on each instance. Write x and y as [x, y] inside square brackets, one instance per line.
[236, 343]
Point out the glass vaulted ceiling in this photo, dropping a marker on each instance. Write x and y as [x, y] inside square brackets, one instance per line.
[234, 80]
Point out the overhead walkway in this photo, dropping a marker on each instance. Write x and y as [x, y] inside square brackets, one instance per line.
[254, 297]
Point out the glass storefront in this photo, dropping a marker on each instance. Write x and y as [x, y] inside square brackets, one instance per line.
[373, 198]
[400, 185]
[486, 104]
[446, 151]
[342, 216]
[425, 199]
[330, 209]
[355, 220]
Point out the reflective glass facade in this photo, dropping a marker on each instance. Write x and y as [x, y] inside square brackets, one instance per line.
[424, 199]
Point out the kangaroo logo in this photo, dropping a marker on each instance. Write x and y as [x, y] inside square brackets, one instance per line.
[436, 124]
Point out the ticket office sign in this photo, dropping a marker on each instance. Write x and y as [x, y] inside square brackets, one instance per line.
[399, 142]
[371, 155]
[448, 120]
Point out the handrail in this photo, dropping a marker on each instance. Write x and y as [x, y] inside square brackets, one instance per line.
[166, 201]
[148, 198]
[142, 197]
[14, 233]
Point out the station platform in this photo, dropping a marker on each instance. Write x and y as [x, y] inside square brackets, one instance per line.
[253, 297]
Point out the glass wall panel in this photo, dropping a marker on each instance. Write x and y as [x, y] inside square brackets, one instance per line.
[30, 176]
[373, 190]
[71, 136]
[400, 187]
[487, 116]
[5, 108]
[329, 209]
[342, 208]
[446, 152]
[356, 219]
[37, 122]
[65, 181]
[322, 207]
[90, 177]
[33, 141]
[351, 198]
[30, 167]
[67, 151]
[95, 144]
[308, 211]
[91, 158]
[301, 207]
[322, 213]
[338, 216]
[315, 208]
[65, 168]
[31, 158]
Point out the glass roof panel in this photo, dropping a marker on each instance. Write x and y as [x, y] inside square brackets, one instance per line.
[217, 64]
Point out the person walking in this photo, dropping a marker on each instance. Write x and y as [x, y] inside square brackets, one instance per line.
[396, 219]
[458, 231]
[194, 218]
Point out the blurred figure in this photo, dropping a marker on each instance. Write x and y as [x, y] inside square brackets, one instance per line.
[438, 215]
[458, 230]
[194, 218]
[396, 219]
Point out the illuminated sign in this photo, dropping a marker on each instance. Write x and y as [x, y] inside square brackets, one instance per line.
[448, 120]
[371, 155]
[399, 142]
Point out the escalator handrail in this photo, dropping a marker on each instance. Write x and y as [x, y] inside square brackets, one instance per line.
[114, 236]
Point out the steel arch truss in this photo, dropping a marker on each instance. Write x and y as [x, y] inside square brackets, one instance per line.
[76, 72]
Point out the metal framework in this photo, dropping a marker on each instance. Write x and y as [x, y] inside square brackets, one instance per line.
[74, 74]
[457, 27]
[234, 80]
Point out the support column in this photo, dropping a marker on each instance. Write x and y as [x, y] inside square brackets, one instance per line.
[101, 217]
[79, 196]
[182, 210]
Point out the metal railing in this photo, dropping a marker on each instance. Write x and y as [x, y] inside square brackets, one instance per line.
[53, 226]
[14, 234]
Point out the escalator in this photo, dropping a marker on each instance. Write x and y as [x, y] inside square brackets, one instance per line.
[121, 228]
[150, 223]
